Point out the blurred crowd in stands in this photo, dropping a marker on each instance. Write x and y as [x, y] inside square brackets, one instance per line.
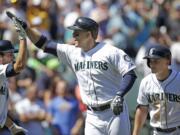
[45, 98]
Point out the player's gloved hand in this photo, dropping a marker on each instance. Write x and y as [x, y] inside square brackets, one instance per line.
[19, 29]
[117, 104]
[19, 20]
[17, 130]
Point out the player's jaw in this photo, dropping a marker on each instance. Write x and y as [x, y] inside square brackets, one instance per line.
[158, 65]
[80, 38]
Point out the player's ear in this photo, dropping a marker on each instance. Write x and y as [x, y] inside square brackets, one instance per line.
[90, 34]
[168, 62]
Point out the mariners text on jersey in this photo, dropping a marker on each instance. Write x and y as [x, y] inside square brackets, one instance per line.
[162, 96]
[90, 65]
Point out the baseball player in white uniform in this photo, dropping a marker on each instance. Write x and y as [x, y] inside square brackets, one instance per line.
[9, 67]
[159, 95]
[104, 73]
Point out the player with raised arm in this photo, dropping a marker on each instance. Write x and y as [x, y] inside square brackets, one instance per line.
[159, 95]
[104, 73]
[10, 67]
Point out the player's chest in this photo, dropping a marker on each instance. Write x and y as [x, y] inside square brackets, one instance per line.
[160, 92]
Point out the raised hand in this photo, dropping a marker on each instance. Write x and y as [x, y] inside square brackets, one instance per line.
[21, 22]
[19, 29]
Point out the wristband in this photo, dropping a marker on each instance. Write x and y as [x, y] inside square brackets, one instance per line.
[12, 126]
[41, 42]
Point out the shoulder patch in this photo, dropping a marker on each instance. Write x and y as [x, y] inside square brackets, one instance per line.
[127, 58]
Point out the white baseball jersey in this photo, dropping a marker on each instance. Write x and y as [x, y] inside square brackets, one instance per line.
[3, 95]
[99, 71]
[163, 99]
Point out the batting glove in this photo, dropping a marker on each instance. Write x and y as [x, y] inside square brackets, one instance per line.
[17, 130]
[19, 20]
[117, 104]
[19, 29]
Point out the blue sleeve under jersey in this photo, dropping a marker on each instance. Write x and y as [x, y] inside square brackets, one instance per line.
[51, 47]
[127, 82]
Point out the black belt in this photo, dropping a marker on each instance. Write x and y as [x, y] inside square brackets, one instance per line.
[100, 108]
[167, 130]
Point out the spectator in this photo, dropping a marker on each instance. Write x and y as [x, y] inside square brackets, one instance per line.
[31, 112]
[65, 115]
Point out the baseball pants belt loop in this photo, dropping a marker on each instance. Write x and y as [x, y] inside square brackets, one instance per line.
[167, 130]
[99, 108]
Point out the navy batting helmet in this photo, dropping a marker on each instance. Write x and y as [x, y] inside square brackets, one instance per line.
[6, 46]
[157, 52]
[85, 24]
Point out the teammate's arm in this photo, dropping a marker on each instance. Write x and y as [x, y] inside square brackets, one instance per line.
[22, 56]
[140, 118]
[20, 61]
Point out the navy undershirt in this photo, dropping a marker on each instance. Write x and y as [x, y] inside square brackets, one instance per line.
[127, 82]
[10, 70]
